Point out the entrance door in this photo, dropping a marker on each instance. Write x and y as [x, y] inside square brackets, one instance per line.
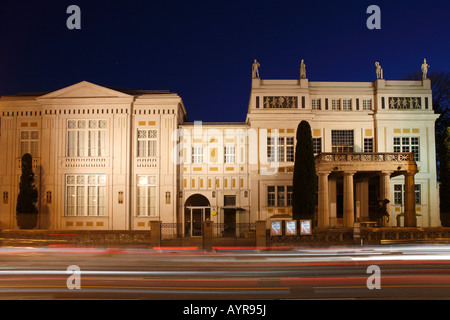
[197, 218]
[197, 209]
[229, 221]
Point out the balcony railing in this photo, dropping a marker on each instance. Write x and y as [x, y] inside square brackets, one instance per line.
[36, 162]
[146, 162]
[86, 162]
[366, 157]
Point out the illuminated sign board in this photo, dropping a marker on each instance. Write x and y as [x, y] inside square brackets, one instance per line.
[291, 227]
[275, 228]
[305, 227]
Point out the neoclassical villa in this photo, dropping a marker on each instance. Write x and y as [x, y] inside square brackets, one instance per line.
[117, 159]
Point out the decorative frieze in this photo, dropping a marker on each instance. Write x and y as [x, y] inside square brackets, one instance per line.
[405, 103]
[281, 102]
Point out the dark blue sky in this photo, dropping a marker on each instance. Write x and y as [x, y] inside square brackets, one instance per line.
[203, 50]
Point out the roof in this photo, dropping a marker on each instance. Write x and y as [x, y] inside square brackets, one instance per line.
[135, 92]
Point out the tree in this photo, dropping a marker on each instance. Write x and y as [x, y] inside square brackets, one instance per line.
[444, 190]
[26, 209]
[305, 179]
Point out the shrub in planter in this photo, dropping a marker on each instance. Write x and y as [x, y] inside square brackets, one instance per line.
[26, 209]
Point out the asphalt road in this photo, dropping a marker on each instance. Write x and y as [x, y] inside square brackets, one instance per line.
[382, 272]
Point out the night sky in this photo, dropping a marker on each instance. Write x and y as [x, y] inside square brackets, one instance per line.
[203, 50]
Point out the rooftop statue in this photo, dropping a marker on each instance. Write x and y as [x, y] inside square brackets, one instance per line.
[379, 70]
[302, 70]
[425, 67]
[255, 69]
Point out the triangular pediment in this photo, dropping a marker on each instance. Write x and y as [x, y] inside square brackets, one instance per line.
[84, 89]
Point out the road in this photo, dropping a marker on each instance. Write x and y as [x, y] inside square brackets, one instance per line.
[379, 272]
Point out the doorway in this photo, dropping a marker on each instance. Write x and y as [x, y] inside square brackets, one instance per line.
[197, 209]
[229, 222]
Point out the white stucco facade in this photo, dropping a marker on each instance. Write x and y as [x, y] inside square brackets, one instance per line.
[116, 159]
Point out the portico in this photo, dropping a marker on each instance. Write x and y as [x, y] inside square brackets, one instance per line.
[348, 181]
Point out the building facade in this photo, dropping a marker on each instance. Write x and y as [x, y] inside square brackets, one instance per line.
[117, 159]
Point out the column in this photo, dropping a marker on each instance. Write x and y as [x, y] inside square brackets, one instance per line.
[323, 203]
[261, 234]
[385, 193]
[410, 201]
[155, 233]
[207, 235]
[332, 201]
[349, 208]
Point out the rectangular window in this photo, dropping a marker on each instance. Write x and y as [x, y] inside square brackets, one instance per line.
[289, 149]
[147, 143]
[407, 144]
[229, 154]
[280, 149]
[315, 104]
[417, 194]
[367, 104]
[229, 200]
[342, 140]
[146, 196]
[336, 104]
[398, 194]
[86, 195]
[368, 144]
[279, 196]
[270, 149]
[317, 145]
[197, 155]
[29, 143]
[289, 196]
[86, 138]
[346, 104]
[271, 196]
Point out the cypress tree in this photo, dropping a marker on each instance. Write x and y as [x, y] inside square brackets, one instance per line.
[305, 179]
[26, 209]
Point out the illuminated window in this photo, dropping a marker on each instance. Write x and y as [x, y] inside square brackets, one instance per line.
[197, 154]
[147, 143]
[146, 196]
[29, 143]
[86, 195]
[230, 154]
[86, 138]
[280, 149]
[407, 144]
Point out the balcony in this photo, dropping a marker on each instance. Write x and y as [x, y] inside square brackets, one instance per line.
[36, 162]
[146, 162]
[365, 161]
[86, 162]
